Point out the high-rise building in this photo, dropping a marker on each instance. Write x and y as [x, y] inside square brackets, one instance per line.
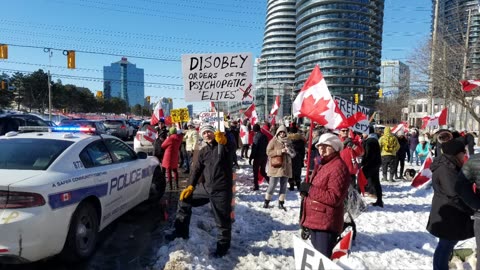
[345, 39]
[124, 80]
[276, 66]
[394, 79]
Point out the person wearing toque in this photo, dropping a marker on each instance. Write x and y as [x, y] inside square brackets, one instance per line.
[450, 217]
[171, 147]
[214, 162]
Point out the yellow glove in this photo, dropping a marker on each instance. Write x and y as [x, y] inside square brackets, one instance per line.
[187, 192]
[220, 137]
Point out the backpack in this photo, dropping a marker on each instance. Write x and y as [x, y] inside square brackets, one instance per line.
[390, 143]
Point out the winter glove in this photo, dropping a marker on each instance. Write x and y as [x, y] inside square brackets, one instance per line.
[348, 142]
[187, 192]
[305, 233]
[220, 137]
[304, 188]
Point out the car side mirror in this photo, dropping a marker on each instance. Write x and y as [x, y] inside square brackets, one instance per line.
[142, 155]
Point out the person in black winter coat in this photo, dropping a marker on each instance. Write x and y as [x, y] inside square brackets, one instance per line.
[371, 162]
[162, 133]
[298, 143]
[402, 153]
[449, 218]
[214, 163]
[259, 155]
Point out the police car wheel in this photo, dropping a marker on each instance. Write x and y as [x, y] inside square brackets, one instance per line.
[82, 234]
[159, 184]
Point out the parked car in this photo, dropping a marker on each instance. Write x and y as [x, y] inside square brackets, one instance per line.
[11, 122]
[119, 128]
[59, 190]
[143, 142]
[96, 127]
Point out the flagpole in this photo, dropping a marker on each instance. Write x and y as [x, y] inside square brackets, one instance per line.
[309, 149]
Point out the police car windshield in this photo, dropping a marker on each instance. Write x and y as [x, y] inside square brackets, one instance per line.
[30, 154]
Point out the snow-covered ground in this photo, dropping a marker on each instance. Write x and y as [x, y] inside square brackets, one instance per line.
[393, 237]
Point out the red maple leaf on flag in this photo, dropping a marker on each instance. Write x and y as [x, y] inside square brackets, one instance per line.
[314, 110]
[242, 133]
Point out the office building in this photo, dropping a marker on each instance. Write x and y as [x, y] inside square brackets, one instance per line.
[394, 79]
[124, 80]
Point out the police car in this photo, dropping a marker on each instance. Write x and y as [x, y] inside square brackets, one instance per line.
[59, 189]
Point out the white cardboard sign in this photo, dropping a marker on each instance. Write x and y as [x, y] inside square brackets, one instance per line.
[212, 118]
[217, 77]
[307, 257]
[350, 108]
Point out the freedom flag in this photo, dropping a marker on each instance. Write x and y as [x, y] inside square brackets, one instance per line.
[439, 119]
[425, 174]
[352, 120]
[251, 113]
[157, 114]
[315, 102]
[469, 85]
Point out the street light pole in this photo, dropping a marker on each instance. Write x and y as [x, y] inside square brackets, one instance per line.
[50, 53]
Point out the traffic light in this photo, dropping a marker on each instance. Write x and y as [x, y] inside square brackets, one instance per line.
[357, 98]
[148, 100]
[380, 93]
[4, 85]
[3, 51]
[71, 59]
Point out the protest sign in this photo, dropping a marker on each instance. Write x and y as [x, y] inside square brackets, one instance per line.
[307, 257]
[212, 118]
[179, 115]
[217, 77]
[349, 108]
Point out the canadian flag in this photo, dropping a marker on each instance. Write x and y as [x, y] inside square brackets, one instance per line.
[315, 102]
[343, 246]
[157, 114]
[440, 118]
[251, 113]
[361, 181]
[402, 126]
[425, 174]
[275, 106]
[150, 134]
[469, 85]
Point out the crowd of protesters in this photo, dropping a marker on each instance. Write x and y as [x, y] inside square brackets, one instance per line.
[278, 153]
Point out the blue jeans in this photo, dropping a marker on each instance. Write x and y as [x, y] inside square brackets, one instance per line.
[442, 253]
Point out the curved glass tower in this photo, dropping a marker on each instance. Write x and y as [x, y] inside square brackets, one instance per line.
[344, 38]
[276, 66]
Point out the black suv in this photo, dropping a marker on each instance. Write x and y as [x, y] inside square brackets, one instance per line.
[11, 122]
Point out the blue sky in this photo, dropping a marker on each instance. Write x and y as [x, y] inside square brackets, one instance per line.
[101, 31]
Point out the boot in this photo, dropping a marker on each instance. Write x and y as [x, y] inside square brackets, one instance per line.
[265, 204]
[291, 187]
[170, 184]
[281, 206]
[378, 203]
[255, 187]
[176, 185]
[221, 250]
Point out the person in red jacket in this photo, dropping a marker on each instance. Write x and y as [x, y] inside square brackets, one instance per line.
[170, 159]
[324, 195]
[352, 149]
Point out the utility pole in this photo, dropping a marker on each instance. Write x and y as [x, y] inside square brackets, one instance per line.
[432, 59]
[463, 125]
[50, 53]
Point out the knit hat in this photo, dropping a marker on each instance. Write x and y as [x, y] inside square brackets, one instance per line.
[172, 130]
[421, 139]
[206, 128]
[332, 140]
[256, 128]
[453, 147]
